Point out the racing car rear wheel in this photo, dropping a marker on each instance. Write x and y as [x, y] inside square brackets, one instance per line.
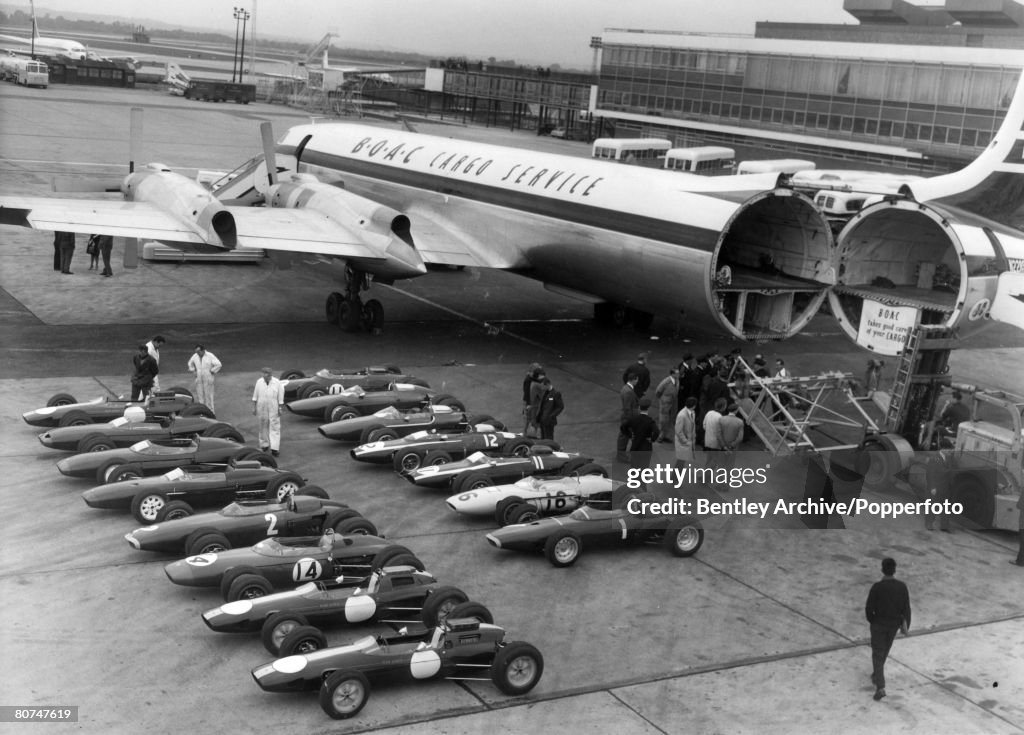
[277, 627]
[384, 556]
[249, 587]
[344, 693]
[435, 457]
[474, 481]
[523, 513]
[174, 510]
[446, 400]
[314, 491]
[146, 506]
[572, 465]
[180, 391]
[383, 435]
[501, 512]
[61, 399]
[198, 409]
[473, 610]
[203, 541]
[74, 418]
[407, 460]
[407, 560]
[516, 447]
[292, 375]
[356, 526]
[263, 458]
[283, 487]
[225, 431]
[486, 418]
[339, 412]
[440, 603]
[338, 517]
[95, 443]
[313, 390]
[231, 575]
[303, 639]
[684, 539]
[417, 382]
[517, 668]
[590, 468]
[563, 549]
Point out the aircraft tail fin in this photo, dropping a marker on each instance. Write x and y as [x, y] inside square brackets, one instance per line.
[992, 185]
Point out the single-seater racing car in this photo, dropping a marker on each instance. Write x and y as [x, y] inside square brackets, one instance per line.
[562, 538]
[63, 410]
[245, 523]
[153, 458]
[478, 470]
[528, 499]
[375, 377]
[408, 453]
[355, 401]
[391, 422]
[274, 563]
[459, 648]
[176, 493]
[123, 432]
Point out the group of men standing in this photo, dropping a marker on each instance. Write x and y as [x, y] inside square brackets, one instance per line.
[64, 251]
[542, 403]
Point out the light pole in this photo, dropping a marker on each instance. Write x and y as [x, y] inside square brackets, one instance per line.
[241, 55]
[234, 59]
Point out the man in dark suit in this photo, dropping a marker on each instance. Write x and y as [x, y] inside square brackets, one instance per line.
[548, 410]
[887, 611]
[642, 431]
[642, 372]
[630, 408]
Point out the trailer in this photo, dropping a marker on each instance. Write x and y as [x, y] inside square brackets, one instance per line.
[213, 90]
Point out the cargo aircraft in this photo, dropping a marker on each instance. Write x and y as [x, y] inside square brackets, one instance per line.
[747, 254]
[43, 45]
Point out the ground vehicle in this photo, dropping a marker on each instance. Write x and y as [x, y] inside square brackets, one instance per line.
[355, 401]
[529, 498]
[409, 452]
[23, 71]
[123, 432]
[243, 524]
[705, 159]
[256, 570]
[153, 458]
[63, 410]
[374, 377]
[838, 206]
[780, 165]
[397, 595]
[458, 648]
[393, 422]
[215, 90]
[479, 470]
[629, 150]
[562, 538]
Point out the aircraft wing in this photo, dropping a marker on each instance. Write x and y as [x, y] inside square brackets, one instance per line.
[302, 231]
[96, 217]
[440, 241]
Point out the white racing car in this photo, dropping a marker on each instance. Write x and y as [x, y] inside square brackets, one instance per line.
[530, 498]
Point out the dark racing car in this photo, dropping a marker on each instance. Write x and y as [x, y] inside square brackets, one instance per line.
[391, 422]
[63, 410]
[355, 401]
[153, 458]
[123, 432]
[244, 523]
[274, 563]
[563, 538]
[479, 470]
[426, 447]
[459, 648]
[374, 377]
[177, 492]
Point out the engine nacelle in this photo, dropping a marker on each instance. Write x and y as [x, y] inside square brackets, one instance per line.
[901, 263]
[184, 199]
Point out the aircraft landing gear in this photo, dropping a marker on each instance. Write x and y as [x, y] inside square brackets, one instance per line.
[349, 311]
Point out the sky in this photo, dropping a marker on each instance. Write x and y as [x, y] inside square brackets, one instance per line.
[529, 31]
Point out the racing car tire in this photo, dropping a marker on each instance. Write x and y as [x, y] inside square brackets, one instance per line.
[198, 409]
[435, 457]
[572, 465]
[314, 491]
[339, 412]
[283, 487]
[357, 526]
[516, 447]
[206, 541]
[364, 435]
[243, 454]
[472, 610]
[684, 539]
[407, 460]
[263, 458]
[517, 668]
[292, 375]
[384, 556]
[344, 693]
[501, 511]
[304, 639]
[447, 400]
[146, 505]
[440, 603]
[473, 481]
[174, 510]
[383, 435]
[486, 418]
[95, 443]
[249, 586]
[562, 549]
[420, 382]
[61, 399]
[277, 627]
[591, 468]
[225, 431]
[231, 575]
[313, 390]
[407, 560]
[74, 418]
[523, 513]
[340, 516]
[122, 472]
[180, 391]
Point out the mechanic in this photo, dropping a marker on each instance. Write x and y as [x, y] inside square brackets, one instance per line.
[205, 365]
[153, 346]
[937, 471]
[548, 409]
[630, 408]
[888, 611]
[954, 413]
[145, 373]
[267, 399]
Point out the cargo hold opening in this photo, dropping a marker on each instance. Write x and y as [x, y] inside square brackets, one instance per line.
[772, 267]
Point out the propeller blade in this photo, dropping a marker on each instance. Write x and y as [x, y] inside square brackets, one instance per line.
[135, 138]
[269, 154]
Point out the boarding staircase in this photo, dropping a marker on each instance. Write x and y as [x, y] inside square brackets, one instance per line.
[921, 373]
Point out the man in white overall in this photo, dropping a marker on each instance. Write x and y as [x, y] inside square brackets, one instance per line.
[267, 399]
[205, 365]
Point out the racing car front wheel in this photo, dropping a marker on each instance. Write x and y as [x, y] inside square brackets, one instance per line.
[440, 604]
[204, 541]
[249, 587]
[501, 512]
[684, 539]
[473, 481]
[147, 505]
[436, 457]
[230, 576]
[407, 460]
[122, 472]
[95, 443]
[339, 412]
[563, 549]
[292, 375]
[383, 435]
[344, 693]
[523, 513]
[74, 418]
[517, 668]
[174, 510]
[313, 390]
[61, 399]
[356, 526]
[277, 627]
[303, 639]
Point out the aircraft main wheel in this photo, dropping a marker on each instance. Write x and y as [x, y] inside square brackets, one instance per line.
[350, 315]
[332, 309]
[373, 316]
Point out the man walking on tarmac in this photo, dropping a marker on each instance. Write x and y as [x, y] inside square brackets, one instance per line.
[888, 611]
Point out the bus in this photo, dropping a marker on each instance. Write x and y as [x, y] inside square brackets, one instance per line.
[631, 150]
[705, 159]
[27, 72]
[775, 165]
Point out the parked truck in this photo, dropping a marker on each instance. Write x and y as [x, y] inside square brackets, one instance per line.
[212, 90]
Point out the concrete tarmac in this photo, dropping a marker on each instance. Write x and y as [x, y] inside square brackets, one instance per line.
[762, 631]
